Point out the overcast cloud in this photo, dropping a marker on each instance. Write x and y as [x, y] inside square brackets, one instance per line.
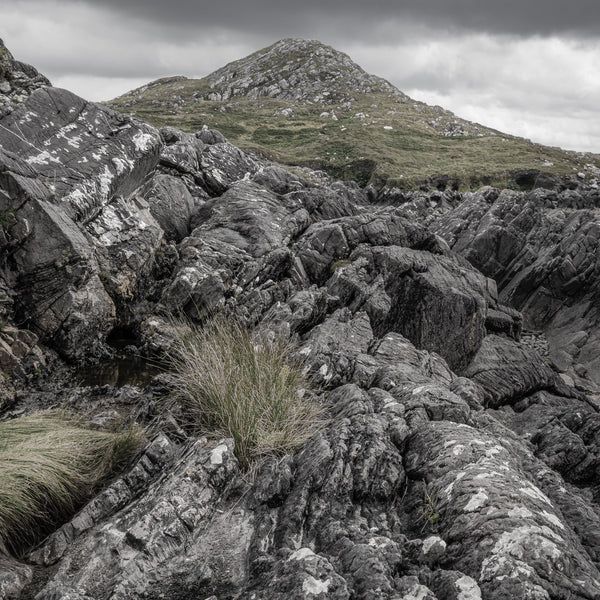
[531, 68]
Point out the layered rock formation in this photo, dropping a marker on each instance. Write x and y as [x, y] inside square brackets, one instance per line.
[457, 463]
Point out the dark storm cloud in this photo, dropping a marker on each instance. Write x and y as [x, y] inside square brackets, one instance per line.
[519, 17]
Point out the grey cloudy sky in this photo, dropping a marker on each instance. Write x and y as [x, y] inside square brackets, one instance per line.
[527, 67]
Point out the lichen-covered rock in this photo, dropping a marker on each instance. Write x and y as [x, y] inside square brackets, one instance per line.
[67, 170]
[172, 540]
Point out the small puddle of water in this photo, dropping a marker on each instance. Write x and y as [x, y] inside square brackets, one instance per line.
[128, 370]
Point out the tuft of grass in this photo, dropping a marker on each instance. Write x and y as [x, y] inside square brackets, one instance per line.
[7, 219]
[49, 465]
[339, 264]
[429, 512]
[237, 385]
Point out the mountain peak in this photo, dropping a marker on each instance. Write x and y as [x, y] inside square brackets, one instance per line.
[295, 69]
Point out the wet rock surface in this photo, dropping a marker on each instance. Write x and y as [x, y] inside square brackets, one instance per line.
[452, 339]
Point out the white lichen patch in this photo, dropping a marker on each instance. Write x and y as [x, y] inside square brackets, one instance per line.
[302, 554]
[417, 592]
[534, 492]
[477, 501]
[104, 181]
[520, 512]
[98, 155]
[121, 166]
[450, 487]
[314, 587]
[43, 158]
[489, 475]
[511, 553]
[216, 456]
[467, 588]
[433, 541]
[143, 141]
[494, 451]
[552, 519]
[75, 141]
[379, 542]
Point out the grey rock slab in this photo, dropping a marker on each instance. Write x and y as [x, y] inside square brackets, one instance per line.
[85, 153]
[172, 205]
[171, 538]
[501, 529]
[433, 300]
[508, 372]
[240, 240]
[542, 249]
[67, 167]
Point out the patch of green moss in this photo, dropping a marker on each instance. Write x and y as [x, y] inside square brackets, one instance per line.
[7, 217]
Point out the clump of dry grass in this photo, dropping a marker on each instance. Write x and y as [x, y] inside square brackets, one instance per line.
[49, 465]
[236, 385]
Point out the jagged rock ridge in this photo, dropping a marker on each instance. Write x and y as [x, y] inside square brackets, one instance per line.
[458, 463]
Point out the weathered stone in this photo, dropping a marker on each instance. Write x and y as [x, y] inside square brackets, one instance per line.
[508, 372]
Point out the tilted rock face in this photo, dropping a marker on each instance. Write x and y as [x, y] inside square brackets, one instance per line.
[542, 249]
[295, 69]
[68, 172]
[457, 462]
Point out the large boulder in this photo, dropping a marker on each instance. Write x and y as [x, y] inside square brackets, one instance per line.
[68, 173]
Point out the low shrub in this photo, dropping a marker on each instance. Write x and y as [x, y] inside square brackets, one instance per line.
[236, 385]
[49, 465]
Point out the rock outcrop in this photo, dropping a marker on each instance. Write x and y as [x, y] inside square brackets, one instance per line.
[458, 462]
[308, 67]
[541, 247]
[17, 80]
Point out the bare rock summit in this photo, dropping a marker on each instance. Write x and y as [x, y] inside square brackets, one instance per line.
[295, 69]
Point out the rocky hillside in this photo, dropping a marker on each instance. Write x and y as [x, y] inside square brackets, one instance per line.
[453, 340]
[301, 102]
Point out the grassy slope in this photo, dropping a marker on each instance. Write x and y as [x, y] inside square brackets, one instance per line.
[414, 150]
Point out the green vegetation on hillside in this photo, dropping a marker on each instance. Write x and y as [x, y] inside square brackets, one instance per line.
[378, 138]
